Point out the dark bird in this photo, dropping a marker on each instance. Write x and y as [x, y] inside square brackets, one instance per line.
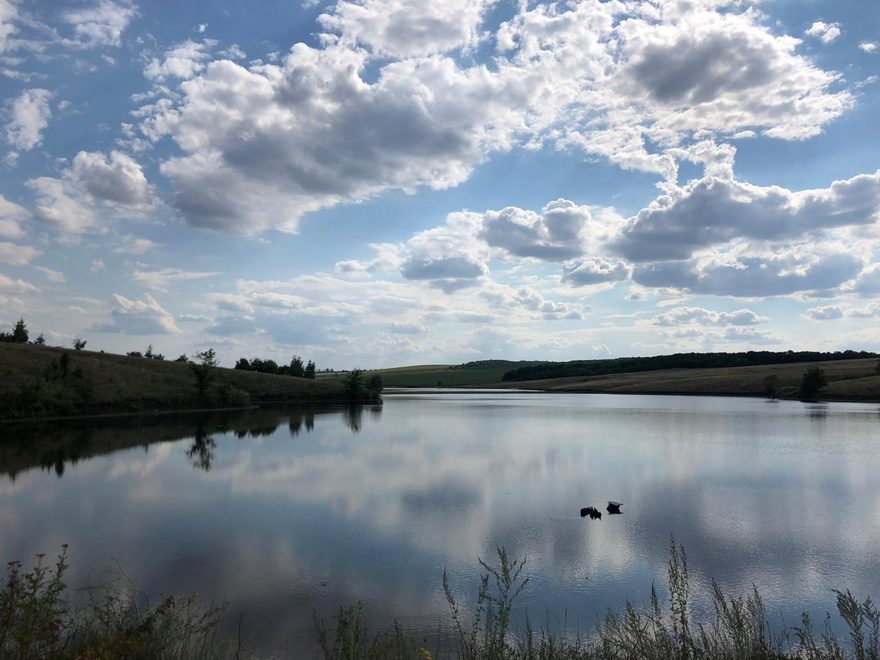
[614, 507]
[591, 511]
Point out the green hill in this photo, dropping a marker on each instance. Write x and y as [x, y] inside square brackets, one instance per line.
[34, 381]
[483, 372]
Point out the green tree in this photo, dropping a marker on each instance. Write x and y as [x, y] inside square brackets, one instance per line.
[243, 364]
[40, 341]
[296, 367]
[375, 383]
[20, 332]
[354, 384]
[203, 366]
[310, 369]
[814, 379]
[79, 344]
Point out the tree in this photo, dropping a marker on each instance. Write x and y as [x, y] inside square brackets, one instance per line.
[814, 379]
[375, 383]
[20, 332]
[203, 365]
[182, 358]
[40, 341]
[296, 367]
[310, 370]
[354, 384]
[243, 364]
[79, 344]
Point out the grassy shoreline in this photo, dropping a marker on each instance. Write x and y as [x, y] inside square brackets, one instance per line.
[38, 620]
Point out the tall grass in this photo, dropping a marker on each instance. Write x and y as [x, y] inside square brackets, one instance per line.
[37, 621]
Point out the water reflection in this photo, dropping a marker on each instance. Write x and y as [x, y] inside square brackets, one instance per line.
[372, 504]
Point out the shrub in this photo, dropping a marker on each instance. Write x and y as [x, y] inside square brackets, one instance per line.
[79, 344]
[813, 380]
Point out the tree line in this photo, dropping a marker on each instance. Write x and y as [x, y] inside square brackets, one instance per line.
[296, 367]
[676, 361]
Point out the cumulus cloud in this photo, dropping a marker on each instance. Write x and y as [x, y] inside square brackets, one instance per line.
[17, 255]
[594, 271]
[700, 316]
[381, 103]
[182, 61]
[28, 116]
[825, 313]
[824, 32]
[101, 23]
[11, 217]
[869, 46]
[139, 317]
[407, 28]
[712, 211]
[94, 181]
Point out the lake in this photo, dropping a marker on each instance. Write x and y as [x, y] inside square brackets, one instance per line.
[285, 512]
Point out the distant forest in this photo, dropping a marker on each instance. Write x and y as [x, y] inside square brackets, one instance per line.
[585, 368]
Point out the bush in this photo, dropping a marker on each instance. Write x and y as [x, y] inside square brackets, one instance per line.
[814, 379]
[79, 344]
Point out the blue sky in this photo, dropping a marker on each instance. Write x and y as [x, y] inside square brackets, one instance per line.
[386, 182]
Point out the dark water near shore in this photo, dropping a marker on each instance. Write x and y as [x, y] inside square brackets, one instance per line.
[282, 512]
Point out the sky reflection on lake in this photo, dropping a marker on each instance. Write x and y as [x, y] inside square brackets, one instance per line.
[283, 512]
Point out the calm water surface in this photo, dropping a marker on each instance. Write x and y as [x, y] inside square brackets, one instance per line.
[288, 511]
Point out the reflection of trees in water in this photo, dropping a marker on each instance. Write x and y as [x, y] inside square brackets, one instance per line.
[201, 452]
[300, 420]
[353, 415]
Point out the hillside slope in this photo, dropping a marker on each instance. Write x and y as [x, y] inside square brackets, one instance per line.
[33, 383]
[849, 380]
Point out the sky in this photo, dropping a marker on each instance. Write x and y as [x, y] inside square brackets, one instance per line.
[388, 182]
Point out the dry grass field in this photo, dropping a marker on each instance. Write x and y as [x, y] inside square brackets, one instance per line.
[849, 380]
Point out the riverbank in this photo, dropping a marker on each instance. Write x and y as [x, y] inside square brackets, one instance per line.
[42, 382]
[848, 380]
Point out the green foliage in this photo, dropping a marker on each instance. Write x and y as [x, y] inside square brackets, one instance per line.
[814, 379]
[40, 341]
[375, 383]
[79, 344]
[296, 367]
[37, 621]
[203, 366]
[20, 332]
[353, 385]
[310, 369]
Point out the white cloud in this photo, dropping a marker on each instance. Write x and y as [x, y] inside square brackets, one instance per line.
[162, 280]
[28, 116]
[100, 24]
[713, 211]
[139, 317]
[407, 28]
[825, 313]
[97, 265]
[869, 46]
[93, 182]
[183, 61]
[52, 275]
[700, 316]
[13, 286]
[11, 217]
[824, 32]
[264, 144]
[17, 255]
[8, 15]
[594, 271]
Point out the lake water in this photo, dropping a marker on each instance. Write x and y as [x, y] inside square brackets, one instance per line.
[285, 512]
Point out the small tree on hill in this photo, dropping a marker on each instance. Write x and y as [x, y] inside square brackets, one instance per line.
[296, 367]
[354, 384]
[40, 341]
[79, 344]
[310, 369]
[814, 379]
[243, 364]
[20, 332]
[203, 365]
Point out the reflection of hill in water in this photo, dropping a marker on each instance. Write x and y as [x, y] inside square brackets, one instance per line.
[52, 446]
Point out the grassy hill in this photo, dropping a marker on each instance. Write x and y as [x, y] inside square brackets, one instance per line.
[33, 383]
[448, 375]
[849, 380]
